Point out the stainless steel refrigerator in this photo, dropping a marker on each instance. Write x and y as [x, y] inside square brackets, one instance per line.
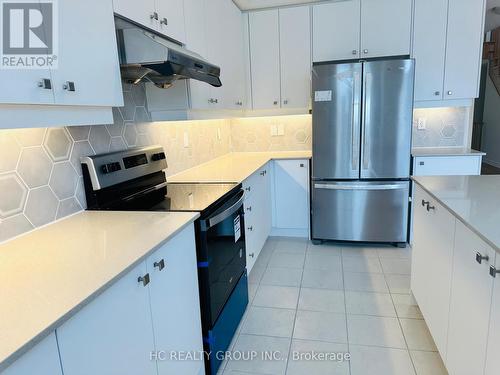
[362, 124]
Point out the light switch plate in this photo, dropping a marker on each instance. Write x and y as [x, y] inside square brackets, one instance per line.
[421, 123]
[281, 129]
[274, 130]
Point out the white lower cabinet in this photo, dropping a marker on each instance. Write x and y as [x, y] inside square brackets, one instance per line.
[492, 355]
[466, 165]
[148, 312]
[257, 207]
[175, 307]
[291, 195]
[470, 303]
[43, 359]
[432, 256]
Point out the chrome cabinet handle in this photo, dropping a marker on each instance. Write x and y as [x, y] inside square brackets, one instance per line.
[302, 165]
[154, 16]
[212, 100]
[480, 257]
[275, 102]
[249, 208]
[45, 83]
[160, 265]
[450, 93]
[437, 93]
[429, 208]
[365, 51]
[239, 102]
[164, 21]
[263, 173]
[251, 255]
[250, 229]
[354, 51]
[285, 102]
[248, 188]
[69, 86]
[144, 279]
[493, 271]
[424, 202]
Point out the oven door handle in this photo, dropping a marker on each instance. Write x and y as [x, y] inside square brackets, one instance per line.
[226, 213]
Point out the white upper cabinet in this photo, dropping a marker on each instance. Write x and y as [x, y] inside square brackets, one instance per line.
[163, 16]
[385, 27]
[295, 56]
[171, 18]
[265, 59]
[88, 67]
[447, 50]
[429, 48]
[336, 30]
[42, 359]
[464, 48]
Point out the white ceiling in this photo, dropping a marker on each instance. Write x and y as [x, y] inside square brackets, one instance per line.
[492, 19]
[259, 4]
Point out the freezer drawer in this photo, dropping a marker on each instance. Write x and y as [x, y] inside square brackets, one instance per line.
[360, 211]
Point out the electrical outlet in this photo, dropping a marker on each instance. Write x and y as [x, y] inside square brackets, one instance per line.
[281, 129]
[421, 123]
[274, 130]
[186, 139]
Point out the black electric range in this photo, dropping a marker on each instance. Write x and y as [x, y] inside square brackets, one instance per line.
[134, 180]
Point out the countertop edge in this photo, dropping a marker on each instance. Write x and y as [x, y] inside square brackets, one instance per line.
[458, 216]
[422, 152]
[17, 354]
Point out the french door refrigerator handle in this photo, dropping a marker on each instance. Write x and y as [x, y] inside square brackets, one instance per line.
[366, 109]
[361, 187]
[355, 123]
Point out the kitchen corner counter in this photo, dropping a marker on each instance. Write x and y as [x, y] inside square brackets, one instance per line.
[474, 200]
[445, 151]
[51, 273]
[234, 167]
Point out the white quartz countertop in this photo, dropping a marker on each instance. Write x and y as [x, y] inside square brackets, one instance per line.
[445, 151]
[51, 273]
[474, 200]
[234, 167]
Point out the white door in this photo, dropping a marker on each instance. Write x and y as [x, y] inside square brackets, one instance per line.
[336, 30]
[471, 290]
[291, 187]
[429, 48]
[25, 85]
[196, 41]
[171, 18]
[264, 59]
[87, 59]
[42, 359]
[492, 357]
[432, 257]
[385, 27]
[143, 12]
[295, 56]
[175, 305]
[463, 49]
[112, 335]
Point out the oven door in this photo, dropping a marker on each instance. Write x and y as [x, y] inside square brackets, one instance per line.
[221, 256]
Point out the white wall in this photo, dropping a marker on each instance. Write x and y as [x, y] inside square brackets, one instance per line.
[491, 132]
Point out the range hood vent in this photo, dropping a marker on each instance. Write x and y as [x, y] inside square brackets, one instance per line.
[149, 57]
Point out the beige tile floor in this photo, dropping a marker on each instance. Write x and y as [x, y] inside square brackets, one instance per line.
[332, 298]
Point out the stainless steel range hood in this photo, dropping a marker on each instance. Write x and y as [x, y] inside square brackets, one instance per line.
[148, 57]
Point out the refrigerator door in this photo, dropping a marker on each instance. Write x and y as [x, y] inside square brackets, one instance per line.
[387, 119]
[336, 100]
[360, 211]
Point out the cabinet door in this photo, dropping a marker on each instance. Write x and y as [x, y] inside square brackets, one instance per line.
[382, 32]
[432, 256]
[295, 56]
[429, 48]
[139, 11]
[21, 86]
[471, 290]
[112, 335]
[291, 184]
[43, 359]
[264, 59]
[175, 305]
[89, 59]
[464, 49]
[492, 357]
[264, 220]
[336, 30]
[171, 17]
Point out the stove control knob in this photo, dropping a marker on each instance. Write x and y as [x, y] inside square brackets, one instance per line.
[158, 156]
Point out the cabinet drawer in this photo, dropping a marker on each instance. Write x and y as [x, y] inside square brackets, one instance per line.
[447, 165]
